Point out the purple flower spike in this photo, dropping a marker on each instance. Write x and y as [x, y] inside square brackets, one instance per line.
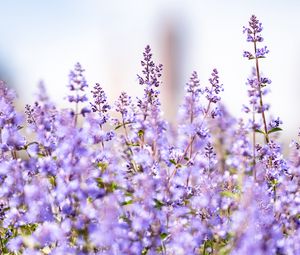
[151, 72]
[254, 29]
[212, 94]
[257, 82]
[134, 184]
[100, 100]
[260, 53]
[77, 85]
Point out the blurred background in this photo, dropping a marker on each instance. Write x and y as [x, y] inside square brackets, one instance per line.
[42, 40]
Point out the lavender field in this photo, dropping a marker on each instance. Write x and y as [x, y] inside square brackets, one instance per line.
[116, 178]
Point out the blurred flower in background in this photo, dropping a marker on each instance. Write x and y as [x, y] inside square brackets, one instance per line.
[42, 40]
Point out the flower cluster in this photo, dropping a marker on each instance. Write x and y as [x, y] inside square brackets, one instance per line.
[101, 178]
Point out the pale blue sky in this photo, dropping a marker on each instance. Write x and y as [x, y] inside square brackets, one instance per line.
[43, 40]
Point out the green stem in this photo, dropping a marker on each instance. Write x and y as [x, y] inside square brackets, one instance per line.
[2, 245]
[260, 95]
[204, 248]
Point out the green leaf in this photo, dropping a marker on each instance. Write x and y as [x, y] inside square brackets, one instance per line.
[159, 249]
[145, 251]
[158, 204]
[173, 161]
[108, 186]
[259, 131]
[28, 229]
[273, 130]
[178, 165]
[128, 193]
[122, 125]
[113, 186]
[163, 236]
[125, 219]
[100, 182]
[117, 127]
[52, 180]
[102, 166]
[141, 133]
[129, 202]
[225, 250]
[274, 182]
[230, 194]
[133, 144]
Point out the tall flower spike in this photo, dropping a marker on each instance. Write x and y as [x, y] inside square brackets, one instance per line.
[151, 72]
[191, 107]
[125, 107]
[254, 29]
[100, 107]
[212, 94]
[151, 125]
[100, 100]
[192, 97]
[150, 80]
[77, 85]
[253, 32]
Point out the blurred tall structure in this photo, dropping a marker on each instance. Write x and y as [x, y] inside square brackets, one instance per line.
[172, 53]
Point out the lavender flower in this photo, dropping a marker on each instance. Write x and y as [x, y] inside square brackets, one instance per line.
[254, 30]
[124, 181]
[216, 88]
[77, 85]
[151, 72]
[257, 84]
[100, 100]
